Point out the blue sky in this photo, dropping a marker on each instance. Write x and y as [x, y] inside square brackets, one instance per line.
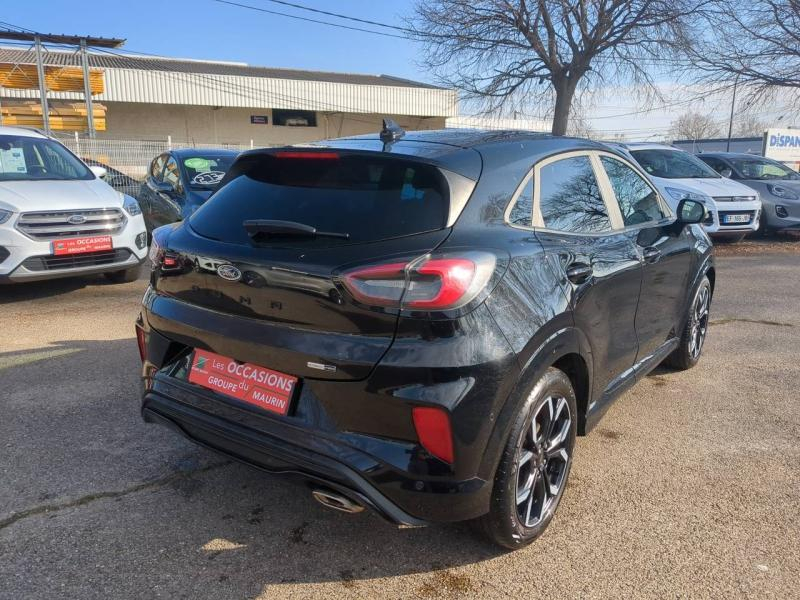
[206, 29]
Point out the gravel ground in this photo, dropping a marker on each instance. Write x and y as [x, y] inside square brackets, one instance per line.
[689, 487]
[781, 242]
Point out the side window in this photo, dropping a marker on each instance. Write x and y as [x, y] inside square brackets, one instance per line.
[638, 201]
[522, 212]
[570, 198]
[157, 166]
[714, 163]
[172, 174]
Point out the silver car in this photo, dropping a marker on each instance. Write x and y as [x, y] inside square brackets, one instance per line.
[777, 184]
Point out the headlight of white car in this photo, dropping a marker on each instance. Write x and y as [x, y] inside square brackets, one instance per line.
[131, 206]
[678, 194]
[5, 215]
[774, 189]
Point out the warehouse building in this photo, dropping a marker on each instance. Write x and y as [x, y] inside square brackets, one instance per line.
[144, 97]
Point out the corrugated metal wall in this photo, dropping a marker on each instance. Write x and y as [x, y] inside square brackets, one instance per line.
[163, 87]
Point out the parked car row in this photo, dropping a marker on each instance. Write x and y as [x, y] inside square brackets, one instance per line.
[732, 209]
[80, 227]
[63, 217]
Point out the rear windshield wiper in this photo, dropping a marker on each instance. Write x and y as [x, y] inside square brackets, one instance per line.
[271, 228]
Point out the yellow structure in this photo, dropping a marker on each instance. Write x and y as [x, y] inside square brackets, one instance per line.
[64, 116]
[57, 79]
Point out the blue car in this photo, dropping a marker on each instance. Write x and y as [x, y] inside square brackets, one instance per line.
[179, 182]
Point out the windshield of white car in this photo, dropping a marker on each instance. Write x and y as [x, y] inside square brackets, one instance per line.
[24, 158]
[762, 168]
[673, 164]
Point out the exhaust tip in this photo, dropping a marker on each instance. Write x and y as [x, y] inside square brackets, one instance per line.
[336, 501]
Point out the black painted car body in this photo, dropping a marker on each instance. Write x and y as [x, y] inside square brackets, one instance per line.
[178, 182]
[605, 307]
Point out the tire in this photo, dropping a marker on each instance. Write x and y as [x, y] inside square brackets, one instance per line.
[693, 337]
[525, 466]
[763, 231]
[126, 276]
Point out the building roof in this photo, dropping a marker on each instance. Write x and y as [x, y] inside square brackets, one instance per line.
[752, 138]
[61, 38]
[730, 154]
[182, 65]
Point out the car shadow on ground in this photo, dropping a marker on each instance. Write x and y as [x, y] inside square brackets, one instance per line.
[32, 290]
[117, 486]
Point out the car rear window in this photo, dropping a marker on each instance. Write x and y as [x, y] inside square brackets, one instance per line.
[368, 198]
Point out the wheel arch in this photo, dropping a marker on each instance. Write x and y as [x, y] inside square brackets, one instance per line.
[711, 273]
[576, 369]
[568, 350]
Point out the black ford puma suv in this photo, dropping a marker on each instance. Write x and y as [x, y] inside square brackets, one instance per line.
[421, 324]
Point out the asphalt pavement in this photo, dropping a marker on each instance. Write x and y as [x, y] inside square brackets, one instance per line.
[689, 487]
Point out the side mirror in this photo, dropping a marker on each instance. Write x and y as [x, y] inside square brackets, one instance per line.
[691, 211]
[160, 187]
[99, 172]
[725, 172]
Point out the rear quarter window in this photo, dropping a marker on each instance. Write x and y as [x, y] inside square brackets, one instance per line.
[369, 198]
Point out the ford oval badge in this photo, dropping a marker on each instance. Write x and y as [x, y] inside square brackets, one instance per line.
[229, 272]
[76, 220]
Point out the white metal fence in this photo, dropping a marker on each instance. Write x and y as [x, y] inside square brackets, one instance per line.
[133, 157]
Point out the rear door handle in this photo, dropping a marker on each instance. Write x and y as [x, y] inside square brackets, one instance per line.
[651, 254]
[579, 272]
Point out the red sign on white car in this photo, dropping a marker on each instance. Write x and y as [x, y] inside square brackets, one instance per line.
[82, 245]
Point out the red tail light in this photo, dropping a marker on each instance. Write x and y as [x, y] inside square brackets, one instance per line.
[140, 340]
[307, 155]
[442, 282]
[431, 283]
[433, 431]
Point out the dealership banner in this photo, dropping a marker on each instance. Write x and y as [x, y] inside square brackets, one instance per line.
[783, 145]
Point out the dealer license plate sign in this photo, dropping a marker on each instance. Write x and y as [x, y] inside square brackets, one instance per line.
[82, 245]
[261, 387]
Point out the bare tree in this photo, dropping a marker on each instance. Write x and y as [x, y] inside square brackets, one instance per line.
[749, 125]
[755, 43]
[523, 52]
[578, 126]
[694, 126]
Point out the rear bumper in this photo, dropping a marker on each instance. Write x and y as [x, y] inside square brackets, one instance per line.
[321, 461]
[273, 455]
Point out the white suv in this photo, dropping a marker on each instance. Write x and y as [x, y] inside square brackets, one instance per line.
[733, 209]
[58, 218]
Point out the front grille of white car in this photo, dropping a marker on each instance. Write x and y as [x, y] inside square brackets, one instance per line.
[53, 225]
[74, 261]
[734, 198]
